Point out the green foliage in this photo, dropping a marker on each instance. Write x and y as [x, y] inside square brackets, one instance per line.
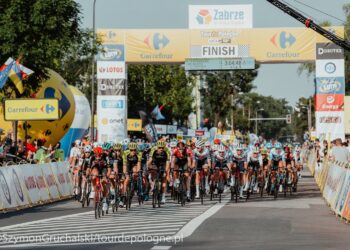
[222, 86]
[165, 85]
[266, 107]
[44, 34]
[300, 116]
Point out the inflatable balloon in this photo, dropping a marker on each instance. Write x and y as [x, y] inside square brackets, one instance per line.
[4, 125]
[80, 123]
[52, 131]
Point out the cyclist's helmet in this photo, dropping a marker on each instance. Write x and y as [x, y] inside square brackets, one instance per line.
[98, 151]
[221, 148]
[173, 144]
[117, 146]
[278, 145]
[207, 144]
[188, 143]
[181, 142]
[199, 144]
[87, 149]
[268, 145]
[239, 146]
[264, 151]
[256, 150]
[217, 141]
[161, 144]
[132, 146]
[106, 146]
[77, 142]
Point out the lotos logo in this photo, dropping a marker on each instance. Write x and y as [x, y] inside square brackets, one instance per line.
[156, 41]
[283, 40]
[204, 17]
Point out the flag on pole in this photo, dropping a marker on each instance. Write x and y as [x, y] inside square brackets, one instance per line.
[17, 74]
[5, 70]
[157, 114]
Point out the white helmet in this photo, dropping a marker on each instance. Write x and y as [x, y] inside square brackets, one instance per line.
[87, 149]
[207, 144]
[77, 142]
[173, 144]
[221, 148]
[199, 144]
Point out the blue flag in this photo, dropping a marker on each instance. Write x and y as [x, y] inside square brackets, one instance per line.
[4, 71]
[157, 114]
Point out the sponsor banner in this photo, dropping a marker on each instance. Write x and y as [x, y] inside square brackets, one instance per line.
[111, 86]
[111, 118]
[200, 132]
[31, 109]
[330, 68]
[111, 70]
[161, 129]
[112, 52]
[326, 102]
[347, 114]
[171, 129]
[333, 182]
[341, 199]
[329, 51]
[111, 36]
[175, 45]
[220, 16]
[134, 125]
[330, 123]
[50, 181]
[330, 85]
[6, 192]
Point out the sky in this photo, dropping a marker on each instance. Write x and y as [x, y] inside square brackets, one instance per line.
[277, 80]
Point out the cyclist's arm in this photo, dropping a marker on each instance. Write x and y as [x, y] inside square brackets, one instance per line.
[125, 161]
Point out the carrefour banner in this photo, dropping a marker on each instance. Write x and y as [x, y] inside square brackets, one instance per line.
[220, 16]
[175, 45]
[111, 118]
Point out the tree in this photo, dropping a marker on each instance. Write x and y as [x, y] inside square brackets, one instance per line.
[222, 87]
[300, 117]
[43, 34]
[168, 85]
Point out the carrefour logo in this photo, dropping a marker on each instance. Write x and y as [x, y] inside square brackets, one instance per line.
[204, 17]
[156, 41]
[283, 40]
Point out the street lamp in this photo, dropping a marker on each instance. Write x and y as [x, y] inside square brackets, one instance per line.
[256, 120]
[93, 78]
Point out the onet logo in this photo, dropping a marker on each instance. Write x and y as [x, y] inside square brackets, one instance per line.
[204, 17]
[156, 41]
[283, 40]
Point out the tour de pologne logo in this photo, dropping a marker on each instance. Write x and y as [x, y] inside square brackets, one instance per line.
[5, 188]
[204, 17]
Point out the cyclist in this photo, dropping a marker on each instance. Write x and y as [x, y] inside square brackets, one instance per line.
[171, 176]
[73, 160]
[131, 165]
[276, 163]
[289, 159]
[99, 169]
[265, 165]
[85, 163]
[158, 163]
[221, 164]
[181, 160]
[201, 162]
[254, 164]
[240, 166]
[116, 159]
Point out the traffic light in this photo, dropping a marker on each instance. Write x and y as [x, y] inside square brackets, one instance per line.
[289, 119]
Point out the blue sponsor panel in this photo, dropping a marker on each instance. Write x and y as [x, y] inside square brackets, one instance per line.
[118, 104]
[112, 52]
[330, 85]
[72, 135]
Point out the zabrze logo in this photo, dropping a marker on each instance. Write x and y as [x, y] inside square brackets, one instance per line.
[204, 17]
[283, 40]
[156, 41]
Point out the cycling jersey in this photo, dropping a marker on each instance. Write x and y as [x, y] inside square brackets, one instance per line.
[255, 163]
[201, 158]
[131, 160]
[117, 159]
[219, 161]
[276, 158]
[181, 157]
[160, 158]
[239, 160]
[86, 162]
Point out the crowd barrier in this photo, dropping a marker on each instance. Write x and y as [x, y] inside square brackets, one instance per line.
[28, 185]
[333, 179]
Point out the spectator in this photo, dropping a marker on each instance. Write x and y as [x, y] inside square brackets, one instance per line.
[58, 152]
[30, 150]
[41, 154]
[339, 152]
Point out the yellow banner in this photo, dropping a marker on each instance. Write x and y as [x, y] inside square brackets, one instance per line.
[31, 109]
[134, 125]
[175, 45]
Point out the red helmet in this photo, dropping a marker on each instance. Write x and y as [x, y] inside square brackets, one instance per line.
[98, 151]
[217, 141]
